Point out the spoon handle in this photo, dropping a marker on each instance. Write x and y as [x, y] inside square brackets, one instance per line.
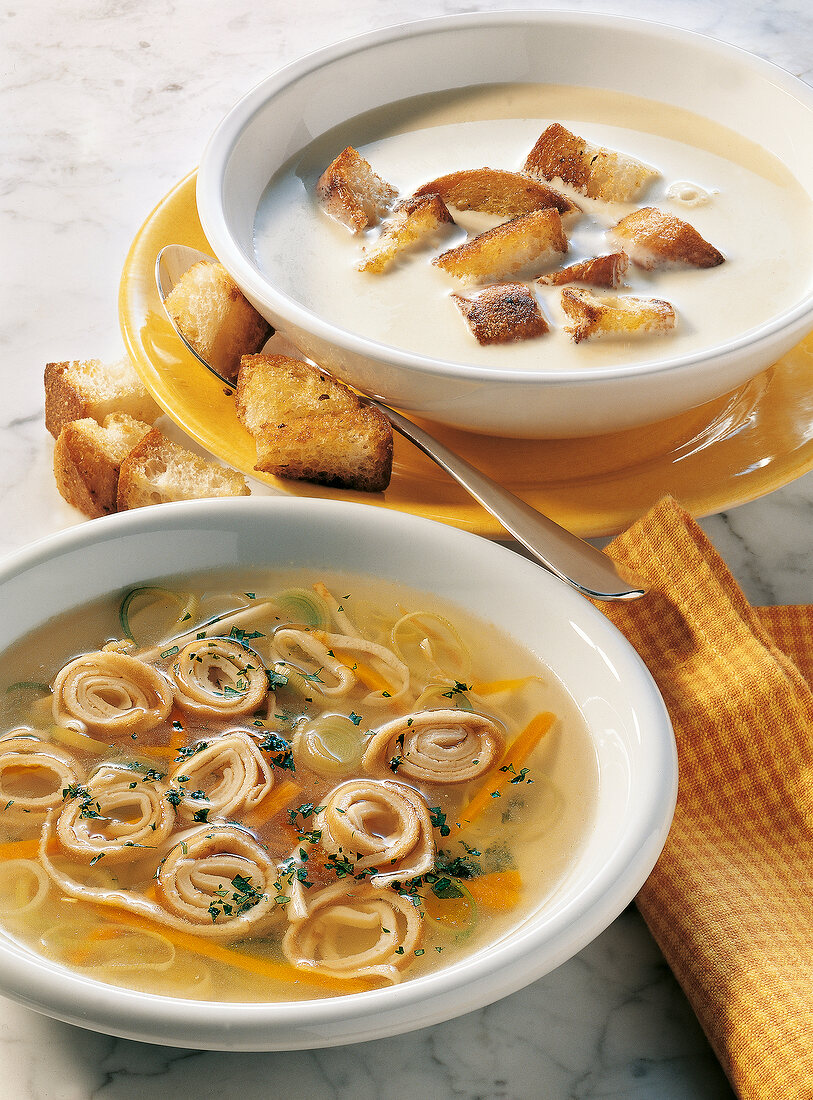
[567, 556]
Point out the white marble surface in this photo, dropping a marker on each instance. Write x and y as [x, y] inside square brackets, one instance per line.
[105, 105]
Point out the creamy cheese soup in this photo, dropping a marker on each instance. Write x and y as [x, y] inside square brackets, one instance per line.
[753, 211]
[276, 787]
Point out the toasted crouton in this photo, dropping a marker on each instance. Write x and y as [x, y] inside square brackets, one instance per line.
[594, 171]
[309, 426]
[216, 318]
[618, 315]
[352, 193]
[89, 388]
[88, 457]
[501, 314]
[654, 239]
[158, 470]
[534, 237]
[349, 449]
[273, 389]
[497, 192]
[414, 220]
[606, 271]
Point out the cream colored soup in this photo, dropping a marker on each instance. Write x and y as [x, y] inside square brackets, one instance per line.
[756, 214]
[190, 840]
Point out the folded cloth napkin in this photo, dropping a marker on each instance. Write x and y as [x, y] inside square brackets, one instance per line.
[730, 901]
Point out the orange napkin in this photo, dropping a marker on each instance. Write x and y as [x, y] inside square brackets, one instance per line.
[730, 901]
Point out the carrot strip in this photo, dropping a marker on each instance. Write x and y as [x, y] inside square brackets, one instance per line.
[498, 890]
[492, 687]
[368, 675]
[264, 968]
[24, 849]
[276, 799]
[512, 759]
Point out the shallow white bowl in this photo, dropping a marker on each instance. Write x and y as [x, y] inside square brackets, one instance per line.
[625, 715]
[292, 107]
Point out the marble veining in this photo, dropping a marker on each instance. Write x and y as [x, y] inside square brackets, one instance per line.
[105, 105]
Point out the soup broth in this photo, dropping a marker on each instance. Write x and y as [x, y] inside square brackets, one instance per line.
[281, 787]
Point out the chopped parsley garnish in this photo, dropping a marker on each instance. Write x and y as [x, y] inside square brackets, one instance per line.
[457, 689]
[282, 754]
[245, 635]
[354, 718]
[243, 897]
[202, 815]
[439, 820]
[170, 652]
[190, 750]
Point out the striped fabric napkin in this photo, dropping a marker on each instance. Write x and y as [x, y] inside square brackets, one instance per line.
[730, 901]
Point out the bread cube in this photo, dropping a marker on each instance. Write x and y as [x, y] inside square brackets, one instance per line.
[605, 271]
[216, 318]
[616, 315]
[530, 238]
[655, 240]
[79, 389]
[502, 314]
[497, 192]
[591, 169]
[414, 220]
[351, 192]
[88, 458]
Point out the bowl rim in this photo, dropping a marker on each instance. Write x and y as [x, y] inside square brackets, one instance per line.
[480, 978]
[221, 144]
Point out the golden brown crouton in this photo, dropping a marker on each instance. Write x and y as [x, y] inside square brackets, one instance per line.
[655, 239]
[501, 314]
[594, 171]
[216, 318]
[350, 449]
[606, 271]
[414, 220]
[158, 470]
[530, 238]
[351, 192]
[497, 192]
[88, 457]
[615, 315]
[309, 426]
[81, 388]
[272, 389]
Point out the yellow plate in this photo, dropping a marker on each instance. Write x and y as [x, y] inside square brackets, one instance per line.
[727, 452]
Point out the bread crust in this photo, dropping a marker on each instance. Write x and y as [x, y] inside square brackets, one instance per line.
[593, 170]
[309, 426]
[528, 238]
[351, 192]
[414, 220]
[502, 314]
[604, 271]
[88, 458]
[347, 449]
[656, 239]
[615, 315]
[79, 388]
[496, 191]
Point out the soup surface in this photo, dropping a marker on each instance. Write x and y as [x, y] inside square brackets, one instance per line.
[754, 212]
[280, 787]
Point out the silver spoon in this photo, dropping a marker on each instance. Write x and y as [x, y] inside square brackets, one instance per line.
[568, 557]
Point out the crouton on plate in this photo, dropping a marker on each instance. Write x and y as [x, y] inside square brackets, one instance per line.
[216, 318]
[591, 169]
[351, 192]
[655, 239]
[530, 238]
[503, 313]
[615, 315]
[309, 426]
[496, 191]
[89, 388]
[414, 220]
[88, 458]
[157, 471]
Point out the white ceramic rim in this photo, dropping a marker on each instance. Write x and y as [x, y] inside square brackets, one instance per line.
[483, 978]
[218, 150]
